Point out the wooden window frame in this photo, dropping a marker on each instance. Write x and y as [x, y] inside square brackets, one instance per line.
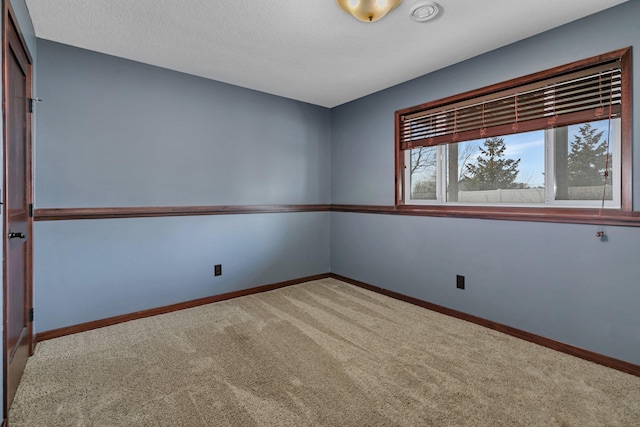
[621, 216]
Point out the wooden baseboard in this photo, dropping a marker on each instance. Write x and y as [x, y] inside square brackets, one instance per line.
[591, 356]
[83, 327]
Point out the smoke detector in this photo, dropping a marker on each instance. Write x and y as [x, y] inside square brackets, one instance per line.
[425, 11]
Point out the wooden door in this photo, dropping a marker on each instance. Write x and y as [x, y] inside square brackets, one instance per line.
[17, 214]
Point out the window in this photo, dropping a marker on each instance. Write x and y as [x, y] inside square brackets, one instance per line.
[564, 166]
[555, 142]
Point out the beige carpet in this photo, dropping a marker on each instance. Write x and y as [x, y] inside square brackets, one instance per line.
[320, 353]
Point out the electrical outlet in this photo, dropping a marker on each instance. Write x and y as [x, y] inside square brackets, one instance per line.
[217, 270]
[460, 282]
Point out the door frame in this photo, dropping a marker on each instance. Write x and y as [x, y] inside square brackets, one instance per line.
[9, 20]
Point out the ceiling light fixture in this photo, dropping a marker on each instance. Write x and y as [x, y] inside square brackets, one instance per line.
[424, 11]
[368, 10]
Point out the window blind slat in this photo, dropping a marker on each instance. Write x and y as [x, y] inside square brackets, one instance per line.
[507, 128]
[541, 105]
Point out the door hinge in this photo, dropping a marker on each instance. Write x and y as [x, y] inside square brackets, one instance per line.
[31, 315]
[31, 210]
[32, 101]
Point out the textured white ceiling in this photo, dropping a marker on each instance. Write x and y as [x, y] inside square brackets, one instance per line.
[308, 50]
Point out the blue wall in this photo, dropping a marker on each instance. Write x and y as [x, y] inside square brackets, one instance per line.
[113, 132]
[119, 133]
[93, 269]
[555, 280]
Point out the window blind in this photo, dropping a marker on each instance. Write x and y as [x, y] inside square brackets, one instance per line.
[590, 94]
